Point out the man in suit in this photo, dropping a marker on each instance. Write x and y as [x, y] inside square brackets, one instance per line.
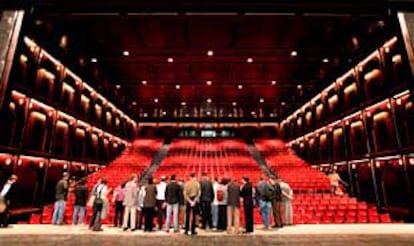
[207, 197]
[247, 194]
[233, 207]
[6, 195]
[276, 202]
[130, 202]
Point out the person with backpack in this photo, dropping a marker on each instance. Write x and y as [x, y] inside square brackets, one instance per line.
[207, 197]
[264, 194]
[222, 196]
[276, 202]
[99, 206]
[247, 194]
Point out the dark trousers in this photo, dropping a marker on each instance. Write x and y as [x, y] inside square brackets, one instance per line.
[140, 216]
[4, 218]
[119, 213]
[206, 215]
[149, 218]
[160, 213]
[276, 213]
[222, 218]
[190, 212]
[96, 217]
[248, 216]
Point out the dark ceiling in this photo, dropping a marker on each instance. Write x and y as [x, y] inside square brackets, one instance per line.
[269, 86]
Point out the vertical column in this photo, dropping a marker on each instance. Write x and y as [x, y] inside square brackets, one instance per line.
[406, 21]
[10, 25]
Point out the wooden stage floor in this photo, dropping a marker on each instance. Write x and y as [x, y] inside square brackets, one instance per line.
[332, 235]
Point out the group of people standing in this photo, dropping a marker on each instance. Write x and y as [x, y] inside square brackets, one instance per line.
[211, 204]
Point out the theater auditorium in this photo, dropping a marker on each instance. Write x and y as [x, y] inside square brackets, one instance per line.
[206, 122]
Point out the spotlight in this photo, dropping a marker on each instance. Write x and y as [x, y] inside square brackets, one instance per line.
[170, 60]
[249, 60]
[210, 53]
[294, 53]
[125, 53]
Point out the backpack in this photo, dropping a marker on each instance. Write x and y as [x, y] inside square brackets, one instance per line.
[220, 195]
[269, 194]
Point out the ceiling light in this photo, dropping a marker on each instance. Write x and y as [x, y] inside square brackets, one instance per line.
[274, 82]
[134, 103]
[183, 103]
[209, 100]
[325, 60]
[299, 87]
[210, 53]
[177, 87]
[208, 113]
[240, 87]
[118, 87]
[249, 60]
[164, 113]
[293, 53]
[253, 113]
[125, 53]
[145, 114]
[170, 59]
[261, 100]
[144, 82]
[94, 60]
[283, 103]
[234, 104]
[208, 82]
[187, 115]
[156, 100]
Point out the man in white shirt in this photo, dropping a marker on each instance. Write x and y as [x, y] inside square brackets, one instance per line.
[5, 200]
[161, 187]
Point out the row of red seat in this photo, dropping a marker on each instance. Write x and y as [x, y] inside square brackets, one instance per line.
[315, 205]
[134, 159]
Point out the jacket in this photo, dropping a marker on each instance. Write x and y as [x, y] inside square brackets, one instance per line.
[192, 190]
[233, 198]
[130, 194]
[207, 191]
[81, 195]
[150, 200]
[247, 194]
[172, 193]
[277, 197]
[61, 190]
[261, 188]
